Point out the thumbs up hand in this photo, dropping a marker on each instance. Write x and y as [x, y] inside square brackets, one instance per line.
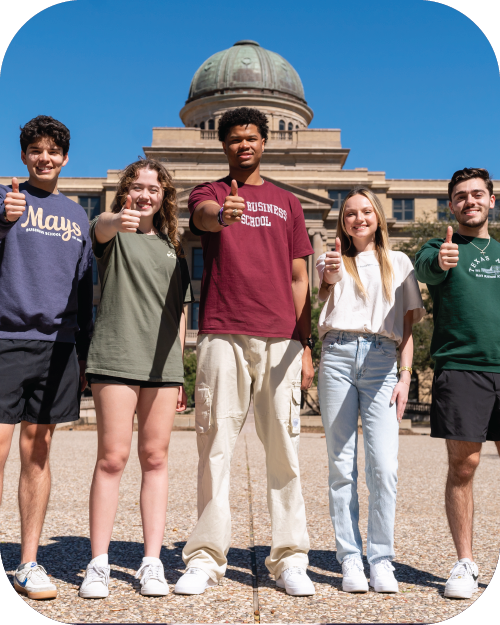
[448, 252]
[128, 219]
[15, 202]
[234, 205]
[333, 264]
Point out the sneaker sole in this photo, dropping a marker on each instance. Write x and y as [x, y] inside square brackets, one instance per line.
[39, 594]
[347, 588]
[281, 584]
[459, 593]
[85, 595]
[155, 594]
[386, 589]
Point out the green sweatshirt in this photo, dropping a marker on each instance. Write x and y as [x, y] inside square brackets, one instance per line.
[466, 304]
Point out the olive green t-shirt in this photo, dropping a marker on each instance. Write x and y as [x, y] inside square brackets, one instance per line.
[144, 287]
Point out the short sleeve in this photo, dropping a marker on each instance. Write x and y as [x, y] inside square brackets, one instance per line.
[301, 244]
[187, 289]
[99, 249]
[412, 298]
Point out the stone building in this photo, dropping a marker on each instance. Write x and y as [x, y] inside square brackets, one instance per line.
[309, 162]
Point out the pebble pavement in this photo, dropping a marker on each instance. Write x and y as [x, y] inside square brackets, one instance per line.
[424, 549]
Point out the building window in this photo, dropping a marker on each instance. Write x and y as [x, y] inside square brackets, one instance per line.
[297, 127]
[494, 213]
[197, 264]
[403, 210]
[91, 204]
[196, 125]
[195, 311]
[94, 312]
[338, 196]
[211, 124]
[95, 273]
[290, 126]
[443, 210]
[282, 125]
[202, 125]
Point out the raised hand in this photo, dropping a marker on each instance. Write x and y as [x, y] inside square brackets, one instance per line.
[15, 202]
[128, 219]
[448, 252]
[333, 264]
[234, 205]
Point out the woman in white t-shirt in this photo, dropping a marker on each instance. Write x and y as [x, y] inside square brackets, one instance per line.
[372, 300]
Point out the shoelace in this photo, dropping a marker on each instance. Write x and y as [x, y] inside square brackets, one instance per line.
[149, 571]
[37, 574]
[353, 563]
[98, 573]
[461, 568]
[296, 569]
[385, 564]
[192, 570]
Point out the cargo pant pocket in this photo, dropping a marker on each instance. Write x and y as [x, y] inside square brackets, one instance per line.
[295, 407]
[202, 408]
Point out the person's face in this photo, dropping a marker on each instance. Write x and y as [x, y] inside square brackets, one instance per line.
[146, 193]
[243, 147]
[360, 218]
[470, 202]
[44, 160]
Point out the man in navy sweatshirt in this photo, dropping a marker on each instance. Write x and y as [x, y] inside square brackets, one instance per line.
[45, 326]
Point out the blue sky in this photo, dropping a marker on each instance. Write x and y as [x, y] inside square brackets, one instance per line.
[413, 85]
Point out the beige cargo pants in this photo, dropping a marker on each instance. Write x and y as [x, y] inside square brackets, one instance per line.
[232, 367]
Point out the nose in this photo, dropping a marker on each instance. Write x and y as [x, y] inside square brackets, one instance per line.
[44, 157]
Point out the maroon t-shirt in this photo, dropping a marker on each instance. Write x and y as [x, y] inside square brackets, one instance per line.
[246, 287]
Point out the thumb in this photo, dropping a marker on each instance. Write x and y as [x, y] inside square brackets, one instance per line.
[449, 234]
[15, 185]
[128, 203]
[234, 187]
[338, 246]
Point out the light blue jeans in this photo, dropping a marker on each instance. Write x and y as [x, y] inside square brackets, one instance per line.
[357, 374]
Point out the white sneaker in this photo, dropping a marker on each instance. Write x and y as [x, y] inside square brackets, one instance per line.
[353, 579]
[193, 582]
[32, 580]
[462, 583]
[296, 582]
[152, 576]
[382, 577]
[95, 583]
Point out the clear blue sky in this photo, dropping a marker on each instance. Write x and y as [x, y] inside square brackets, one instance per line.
[413, 85]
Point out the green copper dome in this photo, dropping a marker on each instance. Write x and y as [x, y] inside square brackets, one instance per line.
[246, 66]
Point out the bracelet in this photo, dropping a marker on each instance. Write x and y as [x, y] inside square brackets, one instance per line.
[220, 219]
[406, 369]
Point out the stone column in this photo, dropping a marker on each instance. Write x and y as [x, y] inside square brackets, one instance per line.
[319, 238]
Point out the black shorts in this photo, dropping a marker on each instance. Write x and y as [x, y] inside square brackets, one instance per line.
[95, 378]
[39, 382]
[466, 406]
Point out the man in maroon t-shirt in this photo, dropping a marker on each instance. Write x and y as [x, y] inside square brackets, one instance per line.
[254, 339]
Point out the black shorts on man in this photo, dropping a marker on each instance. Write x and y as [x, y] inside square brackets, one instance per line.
[466, 405]
[39, 382]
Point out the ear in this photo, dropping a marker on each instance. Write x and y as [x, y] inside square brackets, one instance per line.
[263, 144]
[66, 159]
[23, 157]
[492, 201]
[224, 147]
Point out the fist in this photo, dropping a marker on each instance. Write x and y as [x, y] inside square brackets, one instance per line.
[15, 202]
[234, 205]
[333, 264]
[128, 219]
[448, 252]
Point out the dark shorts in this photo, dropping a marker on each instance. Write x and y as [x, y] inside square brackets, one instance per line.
[39, 382]
[94, 378]
[466, 406]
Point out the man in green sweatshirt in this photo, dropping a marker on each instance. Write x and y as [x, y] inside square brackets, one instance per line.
[462, 273]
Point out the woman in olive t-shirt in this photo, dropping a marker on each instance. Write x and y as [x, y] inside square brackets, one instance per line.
[135, 361]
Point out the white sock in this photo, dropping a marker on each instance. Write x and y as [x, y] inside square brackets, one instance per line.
[101, 560]
[150, 560]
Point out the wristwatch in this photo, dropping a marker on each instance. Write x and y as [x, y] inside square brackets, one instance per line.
[310, 342]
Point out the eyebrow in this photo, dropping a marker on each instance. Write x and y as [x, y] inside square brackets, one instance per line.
[473, 191]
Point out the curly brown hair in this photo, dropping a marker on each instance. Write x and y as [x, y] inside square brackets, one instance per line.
[165, 220]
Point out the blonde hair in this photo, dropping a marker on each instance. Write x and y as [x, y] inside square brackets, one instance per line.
[349, 252]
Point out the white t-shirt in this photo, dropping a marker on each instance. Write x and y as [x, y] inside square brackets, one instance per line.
[345, 308]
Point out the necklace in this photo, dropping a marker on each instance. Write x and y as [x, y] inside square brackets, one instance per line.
[478, 248]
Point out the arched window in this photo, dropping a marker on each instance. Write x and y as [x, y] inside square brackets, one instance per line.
[202, 125]
[290, 126]
[297, 127]
[211, 124]
[282, 125]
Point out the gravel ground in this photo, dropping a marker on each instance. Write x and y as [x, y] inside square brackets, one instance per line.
[424, 547]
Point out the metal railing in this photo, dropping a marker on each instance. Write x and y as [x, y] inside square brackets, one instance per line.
[282, 135]
[209, 135]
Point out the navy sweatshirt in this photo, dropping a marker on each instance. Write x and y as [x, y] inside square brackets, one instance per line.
[46, 288]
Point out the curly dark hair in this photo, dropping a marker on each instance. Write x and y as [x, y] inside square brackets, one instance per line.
[44, 126]
[165, 220]
[467, 174]
[242, 117]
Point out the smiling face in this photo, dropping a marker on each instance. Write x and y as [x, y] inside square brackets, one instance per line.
[470, 202]
[360, 219]
[44, 160]
[146, 193]
[243, 147]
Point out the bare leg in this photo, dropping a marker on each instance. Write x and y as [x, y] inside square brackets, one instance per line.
[463, 459]
[155, 412]
[115, 407]
[6, 432]
[497, 443]
[34, 484]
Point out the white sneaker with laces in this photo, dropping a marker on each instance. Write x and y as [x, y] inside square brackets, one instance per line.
[95, 583]
[296, 582]
[193, 582]
[382, 577]
[31, 579]
[152, 576]
[354, 579]
[462, 583]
